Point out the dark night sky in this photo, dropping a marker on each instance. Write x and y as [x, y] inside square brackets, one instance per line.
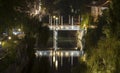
[65, 5]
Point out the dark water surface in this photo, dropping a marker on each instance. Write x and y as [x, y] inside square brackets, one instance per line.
[65, 40]
[43, 65]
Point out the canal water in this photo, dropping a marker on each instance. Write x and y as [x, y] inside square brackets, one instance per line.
[44, 65]
[66, 66]
[66, 41]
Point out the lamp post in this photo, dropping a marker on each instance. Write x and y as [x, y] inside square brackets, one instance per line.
[62, 21]
[56, 21]
[72, 22]
[69, 19]
[55, 33]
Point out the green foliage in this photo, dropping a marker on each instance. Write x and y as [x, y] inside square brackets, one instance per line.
[105, 56]
[103, 59]
[80, 68]
[9, 56]
[85, 20]
[114, 14]
[106, 31]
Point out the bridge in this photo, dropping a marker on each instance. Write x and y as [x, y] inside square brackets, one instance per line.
[56, 25]
[65, 27]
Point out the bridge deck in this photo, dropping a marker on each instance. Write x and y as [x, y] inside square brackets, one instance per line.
[59, 53]
[64, 27]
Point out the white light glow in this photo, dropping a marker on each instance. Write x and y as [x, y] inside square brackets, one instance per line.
[61, 54]
[58, 53]
[72, 54]
[40, 54]
[56, 63]
[9, 38]
[53, 58]
[84, 57]
[76, 48]
[54, 16]
[15, 33]
[36, 54]
[51, 54]
[54, 53]
[67, 54]
[0, 43]
[19, 29]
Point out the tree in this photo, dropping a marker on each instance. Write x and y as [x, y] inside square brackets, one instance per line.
[105, 57]
[114, 19]
[18, 13]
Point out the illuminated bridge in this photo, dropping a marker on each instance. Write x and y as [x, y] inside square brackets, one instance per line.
[64, 27]
[60, 53]
[56, 53]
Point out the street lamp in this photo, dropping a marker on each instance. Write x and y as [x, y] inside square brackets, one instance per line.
[56, 21]
[54, 17]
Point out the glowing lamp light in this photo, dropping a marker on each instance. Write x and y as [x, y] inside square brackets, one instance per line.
[84, 57]
[56, 63]
[9, 38]
[19, 29]
[61, 26]
[54, 16]
[40, 53]
[72, 54]
[15, 33]
[58, 53]
[0, 43]
[76, 48]
[51, 53]
[54, 53]
[36, 54]
[61, 54]
[53, 58]
[84, 25]
[67, 54]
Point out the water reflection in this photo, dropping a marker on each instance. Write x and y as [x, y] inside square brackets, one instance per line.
[45, 66]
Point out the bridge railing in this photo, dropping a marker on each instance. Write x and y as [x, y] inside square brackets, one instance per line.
[61, 53]
[64, 27]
